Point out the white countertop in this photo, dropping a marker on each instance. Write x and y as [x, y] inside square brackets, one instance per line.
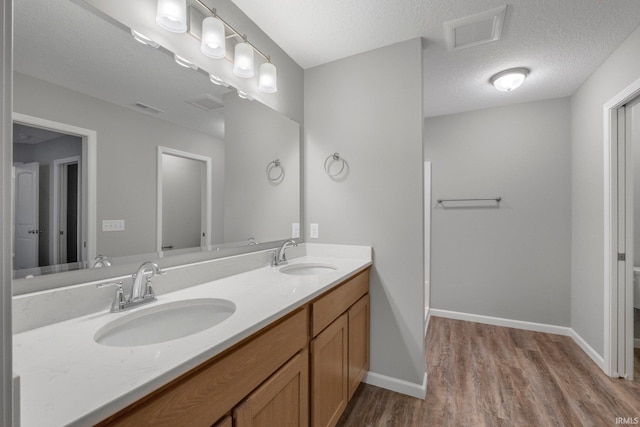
[68, 379]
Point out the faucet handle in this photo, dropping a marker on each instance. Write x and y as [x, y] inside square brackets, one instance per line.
[119, 299]
[148, 291]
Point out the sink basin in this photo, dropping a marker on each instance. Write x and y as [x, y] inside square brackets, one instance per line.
[308, 269]
[165, 322]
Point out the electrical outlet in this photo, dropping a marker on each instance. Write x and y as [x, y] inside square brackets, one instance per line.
[313, 231]
[113, 225]
[295, 230]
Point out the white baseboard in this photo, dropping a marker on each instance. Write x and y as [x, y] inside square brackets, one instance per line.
[499, 321]
[397, 385]
[527, 326]
[427, 316]
[597, 359]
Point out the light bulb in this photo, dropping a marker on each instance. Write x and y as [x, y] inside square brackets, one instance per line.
[144, 39]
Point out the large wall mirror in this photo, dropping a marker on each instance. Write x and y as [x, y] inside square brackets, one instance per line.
[148, 117]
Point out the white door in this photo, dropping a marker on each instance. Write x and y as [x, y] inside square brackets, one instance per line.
[27, 229]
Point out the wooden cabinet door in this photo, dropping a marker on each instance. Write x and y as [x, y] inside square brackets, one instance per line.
[283, 400]
[358, 343]
[329, 376]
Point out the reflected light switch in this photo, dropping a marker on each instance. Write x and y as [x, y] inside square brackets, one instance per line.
[113, 225]
[295, 230]
[313, 231]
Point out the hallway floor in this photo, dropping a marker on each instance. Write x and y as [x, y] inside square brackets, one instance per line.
[482, 375]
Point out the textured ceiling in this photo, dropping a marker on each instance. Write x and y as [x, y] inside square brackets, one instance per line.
[61, 42]
[561, 41]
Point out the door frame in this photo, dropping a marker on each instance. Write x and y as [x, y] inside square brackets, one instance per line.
[613, 302]
[89, 165]
[206, 189]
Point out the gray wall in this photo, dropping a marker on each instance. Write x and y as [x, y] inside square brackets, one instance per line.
[255, 206]
[127, 160]
[368, 108]
[6, 410]
[510, 260]
[587, 189]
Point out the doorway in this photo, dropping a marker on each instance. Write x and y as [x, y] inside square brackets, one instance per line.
[621, 146]
[64, 215]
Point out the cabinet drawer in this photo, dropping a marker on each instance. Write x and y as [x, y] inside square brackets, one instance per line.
[207, 393]
[326, 309]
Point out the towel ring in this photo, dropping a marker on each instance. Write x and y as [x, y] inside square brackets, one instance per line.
[274, 165]
[332, 158]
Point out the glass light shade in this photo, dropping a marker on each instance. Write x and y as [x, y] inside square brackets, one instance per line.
[268, 80]
[172, 15]
[183, 62]
[213, 40]
[144, 39]
[509, 80]
[244, 95]
[217, 80]
[243, 61]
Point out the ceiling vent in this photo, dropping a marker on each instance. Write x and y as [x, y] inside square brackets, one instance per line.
[206, 102]
[148, 108]
[474, 30]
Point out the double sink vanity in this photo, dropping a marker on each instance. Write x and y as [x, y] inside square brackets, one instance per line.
[284, 344]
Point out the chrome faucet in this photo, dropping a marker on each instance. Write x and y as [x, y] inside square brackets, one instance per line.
[140, 293]
[279, 256]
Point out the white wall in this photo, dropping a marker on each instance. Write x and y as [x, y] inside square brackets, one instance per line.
[368, 108]
[512, 259]
[127, 160]
[587, 189]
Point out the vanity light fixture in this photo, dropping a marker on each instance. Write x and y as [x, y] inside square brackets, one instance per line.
[172, 15]
[217, 80]
[144, 39]
[508, 80]
[184, 62]
[243, 61]
[213, 38]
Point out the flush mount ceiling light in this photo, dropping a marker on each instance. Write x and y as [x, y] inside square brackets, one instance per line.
[144, 39]
[172, 15]
[184, 62]
[508, 80]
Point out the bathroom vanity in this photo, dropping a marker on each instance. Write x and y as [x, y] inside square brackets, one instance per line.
[293, 353]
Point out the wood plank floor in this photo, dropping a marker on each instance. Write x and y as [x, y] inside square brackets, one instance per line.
[482, 375]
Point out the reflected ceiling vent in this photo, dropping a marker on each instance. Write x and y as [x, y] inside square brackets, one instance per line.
[148, 108]
[206, 102]
[474, 30]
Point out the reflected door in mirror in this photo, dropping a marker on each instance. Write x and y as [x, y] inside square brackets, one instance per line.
[183, 190]
[27, 230]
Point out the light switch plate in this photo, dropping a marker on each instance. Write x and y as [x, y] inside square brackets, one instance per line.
[113, 225]
[313, 231]
[295, 230]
